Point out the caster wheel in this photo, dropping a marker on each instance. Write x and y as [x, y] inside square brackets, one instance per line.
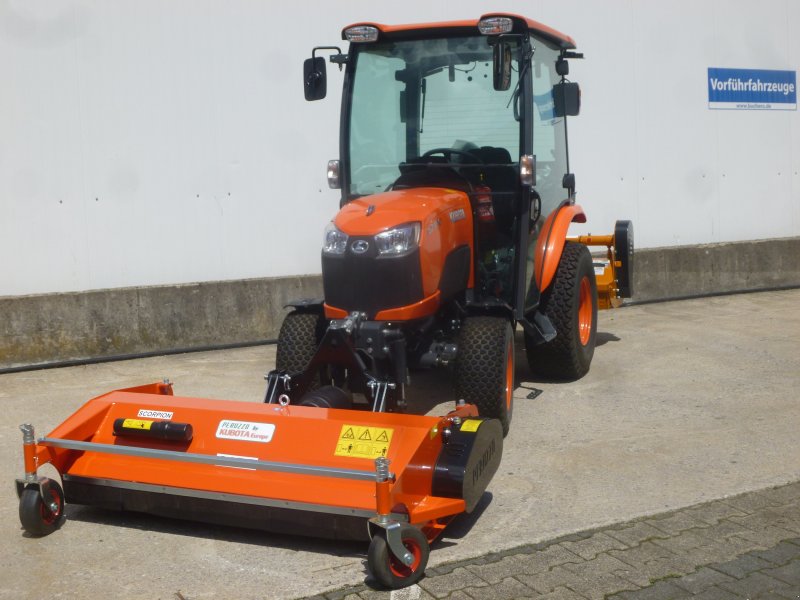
[39, 517]
[390, 570]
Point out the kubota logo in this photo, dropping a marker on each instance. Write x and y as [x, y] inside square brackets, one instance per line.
[359, 246]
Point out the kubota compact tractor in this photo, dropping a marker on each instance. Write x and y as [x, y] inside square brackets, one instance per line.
[453, 145]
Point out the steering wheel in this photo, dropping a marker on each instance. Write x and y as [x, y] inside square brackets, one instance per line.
[447, 152]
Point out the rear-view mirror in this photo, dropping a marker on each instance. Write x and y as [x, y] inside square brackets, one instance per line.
[566, 99]
[501, 72]
[315, 84]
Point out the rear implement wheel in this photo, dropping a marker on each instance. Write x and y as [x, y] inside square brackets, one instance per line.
[484, 372]
[571, 305]
[41, 517]
[623, 252]
[389, 570]
[298, 339]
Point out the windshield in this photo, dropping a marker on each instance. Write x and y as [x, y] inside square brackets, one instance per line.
[412, 97]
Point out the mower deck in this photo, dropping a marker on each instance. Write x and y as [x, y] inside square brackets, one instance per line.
[332, 473]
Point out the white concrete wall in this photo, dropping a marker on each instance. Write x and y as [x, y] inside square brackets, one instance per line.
[146, 142]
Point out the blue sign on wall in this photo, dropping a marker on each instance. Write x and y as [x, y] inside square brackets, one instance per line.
[752, 89]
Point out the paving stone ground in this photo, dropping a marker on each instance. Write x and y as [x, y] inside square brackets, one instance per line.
[745, 546]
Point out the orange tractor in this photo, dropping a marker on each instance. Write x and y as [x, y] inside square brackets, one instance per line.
[453, 148]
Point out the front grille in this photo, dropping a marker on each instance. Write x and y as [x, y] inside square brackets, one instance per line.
[370, 283]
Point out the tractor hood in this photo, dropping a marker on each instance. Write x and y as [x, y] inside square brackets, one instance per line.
[379, 212]
[435, 267]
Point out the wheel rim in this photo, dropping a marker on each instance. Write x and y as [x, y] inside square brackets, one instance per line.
[396, 565]
[585, 311]
[50, 516]
[509, 375]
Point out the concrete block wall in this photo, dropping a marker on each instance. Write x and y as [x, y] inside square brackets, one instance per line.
[108, 323]
[686, 271]
[52, 328]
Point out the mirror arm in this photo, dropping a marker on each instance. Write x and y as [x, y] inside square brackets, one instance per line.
[337, 59]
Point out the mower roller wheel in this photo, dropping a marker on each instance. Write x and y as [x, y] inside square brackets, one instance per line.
[484, 370]
[328, 396]
[390, 570]
[298, 339]
[40, 518]
[571, 305]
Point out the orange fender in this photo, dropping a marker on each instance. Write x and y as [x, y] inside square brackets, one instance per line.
[551, 241]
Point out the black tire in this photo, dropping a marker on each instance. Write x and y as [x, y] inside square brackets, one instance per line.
[38, 518]
[623, 252]
[328, 396]
[569, 355]
[389, 570]
[484, 367]
[298, 339]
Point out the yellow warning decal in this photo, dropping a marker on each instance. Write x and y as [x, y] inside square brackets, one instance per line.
[363, 442]
[136, 424]
[471, 425]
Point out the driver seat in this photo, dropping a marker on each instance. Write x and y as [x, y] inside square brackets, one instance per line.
[501, 177]
[425, 172]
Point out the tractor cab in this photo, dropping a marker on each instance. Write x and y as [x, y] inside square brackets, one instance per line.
[463, 107]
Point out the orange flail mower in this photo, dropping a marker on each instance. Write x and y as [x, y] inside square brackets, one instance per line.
[453, 146]
[341, 474]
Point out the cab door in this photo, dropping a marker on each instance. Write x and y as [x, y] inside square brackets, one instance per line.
[549, 149]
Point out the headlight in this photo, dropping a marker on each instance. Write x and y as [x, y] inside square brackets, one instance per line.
[398, 240]
[335, 241]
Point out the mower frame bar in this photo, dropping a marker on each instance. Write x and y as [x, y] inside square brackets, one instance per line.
[207, 459]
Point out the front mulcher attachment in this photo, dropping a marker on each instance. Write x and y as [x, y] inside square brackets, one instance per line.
[279, 467]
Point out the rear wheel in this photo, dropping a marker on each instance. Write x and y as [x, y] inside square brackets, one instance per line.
[484, 371]
[389, 570]
[41, 517]
[298, 339]
[571, 305]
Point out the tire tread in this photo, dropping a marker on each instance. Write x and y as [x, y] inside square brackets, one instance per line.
[564, 357]
[481, 366]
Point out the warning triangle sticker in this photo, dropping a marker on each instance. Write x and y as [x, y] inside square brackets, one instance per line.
[348, 435]
[382, 437]
[365, 436]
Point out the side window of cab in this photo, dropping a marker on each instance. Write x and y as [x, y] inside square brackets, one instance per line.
[549, 136]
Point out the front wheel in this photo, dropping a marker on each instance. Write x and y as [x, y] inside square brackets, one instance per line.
[389, 570]
[298, 339]
[484, 371]
[40, 517]
[571, 305]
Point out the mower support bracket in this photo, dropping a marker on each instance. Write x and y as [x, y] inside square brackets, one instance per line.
[379, 390]
[42, 483]
[391, 529]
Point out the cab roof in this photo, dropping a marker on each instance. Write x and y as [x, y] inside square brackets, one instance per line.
[465, 27]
